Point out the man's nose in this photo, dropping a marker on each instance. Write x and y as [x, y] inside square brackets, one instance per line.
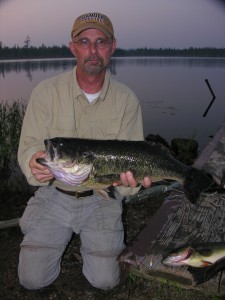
[93, 47]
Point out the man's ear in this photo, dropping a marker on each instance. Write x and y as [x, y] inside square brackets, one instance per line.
[113, 47]
[71, 46]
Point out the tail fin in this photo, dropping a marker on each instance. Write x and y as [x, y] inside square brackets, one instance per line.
[195, 183]
[201, 275]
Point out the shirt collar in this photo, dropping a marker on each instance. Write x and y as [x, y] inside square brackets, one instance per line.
[78, 92]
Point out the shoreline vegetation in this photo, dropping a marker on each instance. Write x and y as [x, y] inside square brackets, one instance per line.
[31, 52]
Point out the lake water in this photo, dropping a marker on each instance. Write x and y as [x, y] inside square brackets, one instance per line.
[172, 91]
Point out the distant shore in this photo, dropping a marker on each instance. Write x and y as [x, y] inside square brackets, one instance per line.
[64, 52]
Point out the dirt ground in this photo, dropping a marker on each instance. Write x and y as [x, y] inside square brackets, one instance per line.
[71, 284]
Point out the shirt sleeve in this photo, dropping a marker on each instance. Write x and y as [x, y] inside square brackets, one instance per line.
[32, 136]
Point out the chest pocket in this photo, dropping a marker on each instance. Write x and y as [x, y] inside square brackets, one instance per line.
[108, 128]
[114, 125]
[62, 125]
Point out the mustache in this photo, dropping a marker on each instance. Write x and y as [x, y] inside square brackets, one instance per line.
[93, 57]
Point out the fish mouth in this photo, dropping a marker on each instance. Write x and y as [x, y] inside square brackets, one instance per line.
[50, 150]
[178, 258]
[189, 253]
[50, 154]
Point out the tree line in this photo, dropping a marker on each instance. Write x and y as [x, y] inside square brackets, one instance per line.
[31, 52]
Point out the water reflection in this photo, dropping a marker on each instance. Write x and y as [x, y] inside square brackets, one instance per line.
[30, 66]
[45, 65]
[171, 61]
[172, 91]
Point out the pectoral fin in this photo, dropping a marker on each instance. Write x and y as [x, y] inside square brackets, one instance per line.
[206, 263]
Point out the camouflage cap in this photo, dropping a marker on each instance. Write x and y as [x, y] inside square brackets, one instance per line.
[93, 20]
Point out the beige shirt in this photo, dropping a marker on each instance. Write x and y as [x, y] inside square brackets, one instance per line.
[58, 107]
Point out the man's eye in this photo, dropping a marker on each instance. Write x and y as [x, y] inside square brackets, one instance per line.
[100, 42]
[84, 42]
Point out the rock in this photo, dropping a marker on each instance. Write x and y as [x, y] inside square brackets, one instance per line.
[185, 149]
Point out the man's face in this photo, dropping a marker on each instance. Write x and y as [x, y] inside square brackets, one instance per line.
[93, 50]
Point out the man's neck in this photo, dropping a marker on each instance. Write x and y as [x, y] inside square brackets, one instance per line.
[90, 84]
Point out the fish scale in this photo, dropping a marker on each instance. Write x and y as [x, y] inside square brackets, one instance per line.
[107, 159]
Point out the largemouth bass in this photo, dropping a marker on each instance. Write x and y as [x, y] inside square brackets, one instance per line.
[99, 163]
[198, 255]
[204, 260]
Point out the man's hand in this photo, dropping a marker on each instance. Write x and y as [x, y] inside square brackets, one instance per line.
[41, 173]
[127, 179]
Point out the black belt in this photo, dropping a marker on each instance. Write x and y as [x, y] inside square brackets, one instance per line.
[76, 194]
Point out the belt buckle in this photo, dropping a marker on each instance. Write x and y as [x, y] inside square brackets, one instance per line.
[78, 194]
[83, 194]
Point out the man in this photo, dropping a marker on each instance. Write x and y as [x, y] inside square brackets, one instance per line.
[83, 103]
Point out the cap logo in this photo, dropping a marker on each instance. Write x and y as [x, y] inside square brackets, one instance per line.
[92, 17]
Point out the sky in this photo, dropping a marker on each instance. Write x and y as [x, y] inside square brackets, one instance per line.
[137, 23]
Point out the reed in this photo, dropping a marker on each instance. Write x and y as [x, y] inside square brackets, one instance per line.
[11, 118]
[14, 189]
